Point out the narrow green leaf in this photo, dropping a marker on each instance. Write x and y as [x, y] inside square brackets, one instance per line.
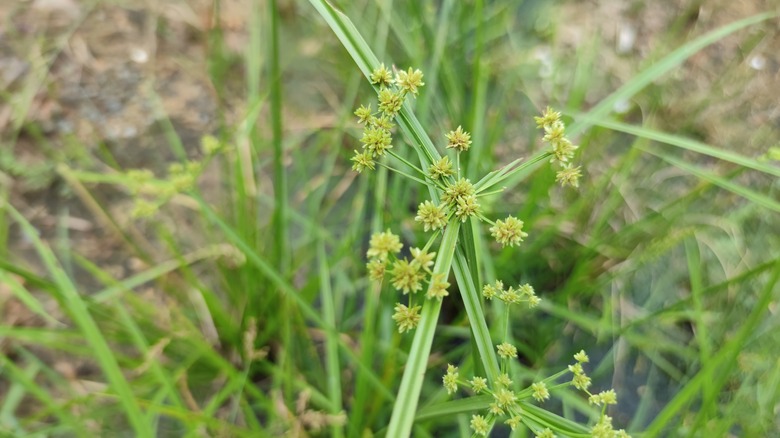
[717, 370]
[473, 304]
[77, 307]
[333, 370]
[285, 287]
[660, 68]
[454, 407]
[737, 189]
[685, 143]
[411, 383]
[26, 380]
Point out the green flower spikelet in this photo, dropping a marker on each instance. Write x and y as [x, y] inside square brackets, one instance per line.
[509, 232]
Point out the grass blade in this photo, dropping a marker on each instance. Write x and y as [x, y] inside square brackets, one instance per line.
[331, 342]
[659, 68]
[473, 305]
[409, 393]
[286, 288]
[758, 198]
[77, 307]
[454, 407]
[687, 144]
[712, 374]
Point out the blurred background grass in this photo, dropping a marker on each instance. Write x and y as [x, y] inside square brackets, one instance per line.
[241, 307]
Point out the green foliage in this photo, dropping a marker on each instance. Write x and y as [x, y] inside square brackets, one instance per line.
[237, 301]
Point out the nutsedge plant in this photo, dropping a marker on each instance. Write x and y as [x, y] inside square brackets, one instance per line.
[454, 200]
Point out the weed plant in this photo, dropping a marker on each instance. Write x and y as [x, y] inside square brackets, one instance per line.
[438, 292]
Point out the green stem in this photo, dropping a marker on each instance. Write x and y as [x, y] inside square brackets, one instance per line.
[408, 395]
[492, 179]
[473, 304]
[331, 345]
[400, 172]
[407, 162]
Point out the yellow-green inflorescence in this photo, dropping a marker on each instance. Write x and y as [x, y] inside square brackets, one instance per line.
[377, 138]
[523, 294]
[459, 196]
[407, 275]
[506, 401]
[562, 148]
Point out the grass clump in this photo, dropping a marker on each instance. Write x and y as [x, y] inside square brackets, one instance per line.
[180, 229]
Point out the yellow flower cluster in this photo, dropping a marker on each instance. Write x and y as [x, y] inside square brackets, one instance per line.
[562, 148]
[377, 138]
[406, 275]
[523, 294]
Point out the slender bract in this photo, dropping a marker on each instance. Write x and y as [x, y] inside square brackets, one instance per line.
[408, 396]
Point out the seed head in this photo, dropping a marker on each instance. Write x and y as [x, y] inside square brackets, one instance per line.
[563, 150]
[450, 379]
[423, 258]
[381, 76]
[581, 382]
[376, 140]
[410, 80]
[376, 269]
[514, 422]
[467, 207]
[548, 119]
[406, 318]
[460, 189]
[459, 139]
[478, 384]
[603, 429]
[441, 168]
[504, 380]
[431, 215]
[390, 102]
[506, 350]
[582, 357]
[362, 161]
[495, 409]
[438, 287]
[383, 122]
[545, 433]
[480, 425]
[569, 175]
[407, 276]
[504, 397]
[382, 244]
[554, 133]
[363, 113]
[604, 398]
[210, 145]
[608, 397]
[491, 290]
[540, 392]
[509, 296]
[509, 232]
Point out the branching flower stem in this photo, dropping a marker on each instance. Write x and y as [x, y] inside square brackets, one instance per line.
[400, 172]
